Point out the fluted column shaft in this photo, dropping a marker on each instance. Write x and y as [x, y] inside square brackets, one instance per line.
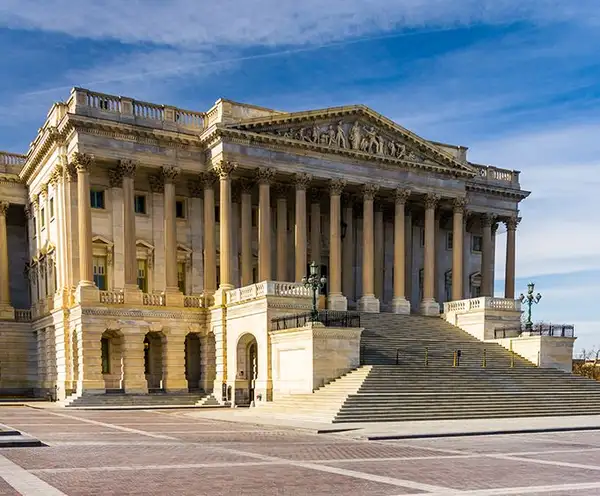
[264, 177]
[429, 305]
[400, 304]
[224, 170]
[509, 276]
[379, 252]
[86, 271]
[368, 302]
[335, 244]
[302, 181]
[348, 251]
[315, 227]
[127, 168]
[246, 241]
[282, 259]
[210, 249]
[486, 254]
[170, 174]
[458, 233]
[4, 268]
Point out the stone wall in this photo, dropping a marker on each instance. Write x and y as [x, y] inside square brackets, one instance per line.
[18, 358]
[545, 351]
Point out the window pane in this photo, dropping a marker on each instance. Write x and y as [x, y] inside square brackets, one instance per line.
[51, 208]
[142, 276]
[43, 216]
[179, 209]
[181, 277]
[140, 204]
[105, 356]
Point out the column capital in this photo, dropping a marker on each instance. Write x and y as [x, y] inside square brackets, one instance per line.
[402, 194]
[195, 188]
[236, 192]
[431, 200]
[336, 186]
[170, 173]
[33, 202]
[115, 178]
[70, 172]
[264, 175]
[315, 195]
[44, 190]
[302, 180]
[224, 169]
[127, 167]
[282, 191]
[157, 184]
[488, 220]
[82, 161]
[512, 223]
[56, 174]
[208, 179]
[459, 205]
[369, 191]
[3, 208]
[246, 186]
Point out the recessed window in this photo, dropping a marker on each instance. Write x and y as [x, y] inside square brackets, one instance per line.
[449, 240]
[97, 199]
[52, 208]
[105, 355]
[142, 275]
[181, 276]
[99, 264]
[422, 234]
[180, 209]
[254, 216]
[217, 213]
[254, 274]
[476, 243]
[139, 204]
[43, 218]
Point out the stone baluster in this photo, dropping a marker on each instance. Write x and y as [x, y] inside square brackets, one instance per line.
[302, 181]
[246, 236]
[509, 278]
[458, 235]
[335, 300]
[368, 302]
[400, 303]
[264, 177]
[429, 306]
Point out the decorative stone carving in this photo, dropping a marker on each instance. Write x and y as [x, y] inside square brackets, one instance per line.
[115, 178]
[236, 192]
[246, 186]
[44, 191]
[402, 194]
[282, 190]
[224, 168]
[195, 188]
[264, 175]
[170, 173]
[512, 223]
[56, 175]
[370, 191]
[355, 136]
[460, 204]
[157, 184]
[3, 207]
[315, 195]
[488, 220]
[127, 167]
[208, 179]
[82, 161]
[431, 200]
[336, 186]
[302, 180]
[70, 172]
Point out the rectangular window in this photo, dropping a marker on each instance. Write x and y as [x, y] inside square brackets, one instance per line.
[254, 216]
[99, 264]
[449, 240]
[142, 275]
[105, 355]
[422, 234]
[181, 276]
[52, 208]
[139, 204]
[43, 218]
[254, 274]
[97, 199]
[476, 243]
[180, 209]
[34, 227]
[217, 213]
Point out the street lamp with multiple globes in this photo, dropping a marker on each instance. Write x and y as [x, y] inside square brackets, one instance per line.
[529, 299]
[315, 283]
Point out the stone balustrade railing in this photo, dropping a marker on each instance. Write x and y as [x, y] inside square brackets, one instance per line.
[193, 301]
[496, 175]
[268, 288]
[112, 297]
[483, 303]
[125, 109]
[23, 315]
[154, 300]
[11, 163]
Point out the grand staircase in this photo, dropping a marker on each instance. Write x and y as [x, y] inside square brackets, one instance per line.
[409, 372]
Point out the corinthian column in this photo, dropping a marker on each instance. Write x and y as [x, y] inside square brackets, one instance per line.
[282, 252]
[173, 295]
[246, 239]
[429, 306]
[486, 254]
[348, 249]
[335, 300]
[302, 181]
[210, 245]
[315, 226]
[458, 233]
[224, 170]
[86, 289]
[264, 178]
[133, 293]
[400, 303]
[368, 302]
[509, 277]
[6, 310]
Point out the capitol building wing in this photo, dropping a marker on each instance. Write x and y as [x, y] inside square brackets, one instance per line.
[146, 248]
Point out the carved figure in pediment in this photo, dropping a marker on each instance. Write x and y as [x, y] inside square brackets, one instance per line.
[303, 134]
[392, 149]
[370, 142]
[316, 134]
[340, 136]
[413, 156]
[331, 135]
[380, 145]
[400, 151]
[356, 138]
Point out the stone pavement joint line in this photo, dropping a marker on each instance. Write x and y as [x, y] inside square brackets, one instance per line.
[24, 482]
[518, 491]
[546, 462]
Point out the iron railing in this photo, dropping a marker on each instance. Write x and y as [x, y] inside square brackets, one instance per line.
[551, 330]
[329, 318]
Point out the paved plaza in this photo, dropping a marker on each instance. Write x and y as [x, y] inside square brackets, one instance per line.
[178, 452]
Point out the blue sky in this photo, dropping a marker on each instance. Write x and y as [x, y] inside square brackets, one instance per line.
[515, 81]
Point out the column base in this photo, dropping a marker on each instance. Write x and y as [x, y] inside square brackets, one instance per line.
[133, 295]
[209, 298]
[430, 307]
[136, 388]
[220, 296]
[337, 302]
[173, 297]
[7, 312]
[401, 305]
[368, 304]
[87, 292]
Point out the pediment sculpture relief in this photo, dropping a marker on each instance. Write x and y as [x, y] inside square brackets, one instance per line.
[351, 136]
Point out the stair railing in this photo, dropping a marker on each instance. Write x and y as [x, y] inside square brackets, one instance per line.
[484, 361]
[398, 356]
[426, 356]
[512, 359]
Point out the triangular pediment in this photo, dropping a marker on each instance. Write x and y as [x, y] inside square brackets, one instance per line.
[354, 131]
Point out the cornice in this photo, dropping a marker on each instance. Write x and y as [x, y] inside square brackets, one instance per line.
[189, 315]
[497, 190]
[10, 179]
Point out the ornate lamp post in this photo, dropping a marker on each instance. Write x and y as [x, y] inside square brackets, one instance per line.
[529, 299]
[315, 284]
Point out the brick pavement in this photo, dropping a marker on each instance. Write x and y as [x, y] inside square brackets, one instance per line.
[171, 452]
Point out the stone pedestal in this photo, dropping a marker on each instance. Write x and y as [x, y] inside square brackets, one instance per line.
[220, 296]
[368, 304]
[85, 293]
[174, 377]
[337, 302]
[133, 295]
[134, 378]
[7, 312]
[401, 305]
[173, 298]
[430, 308]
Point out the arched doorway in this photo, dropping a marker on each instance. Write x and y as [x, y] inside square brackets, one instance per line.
[193, 362]
[153, 360]
[247, 370]
[111, 344]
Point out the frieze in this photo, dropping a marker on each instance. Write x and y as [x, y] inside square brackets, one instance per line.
[189, 316]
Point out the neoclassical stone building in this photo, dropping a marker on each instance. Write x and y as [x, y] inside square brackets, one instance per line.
[132, 233]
